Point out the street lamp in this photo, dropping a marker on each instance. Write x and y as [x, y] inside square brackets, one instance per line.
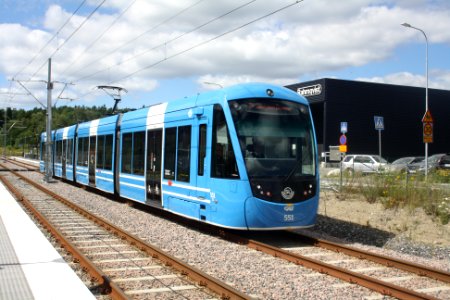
[426, 88]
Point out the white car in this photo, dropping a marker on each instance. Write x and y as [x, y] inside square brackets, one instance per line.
[363, 163]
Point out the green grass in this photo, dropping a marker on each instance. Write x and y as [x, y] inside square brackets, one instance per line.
[408, 192]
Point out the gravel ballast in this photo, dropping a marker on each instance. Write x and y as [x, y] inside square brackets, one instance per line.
[254, 273]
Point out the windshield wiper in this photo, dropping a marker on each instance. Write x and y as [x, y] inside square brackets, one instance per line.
[294, 169]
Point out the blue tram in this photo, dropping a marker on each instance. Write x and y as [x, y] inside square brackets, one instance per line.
[242, 157]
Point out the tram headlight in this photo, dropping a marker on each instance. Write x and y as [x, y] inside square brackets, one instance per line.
[270, 92]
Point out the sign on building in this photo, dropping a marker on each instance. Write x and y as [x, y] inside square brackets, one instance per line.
[311, 90]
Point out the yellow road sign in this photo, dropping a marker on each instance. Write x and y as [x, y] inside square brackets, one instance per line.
[427, 118]
[343, 148]
[428, 132]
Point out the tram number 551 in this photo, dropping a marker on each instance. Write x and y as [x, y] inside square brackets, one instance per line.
[288, 218]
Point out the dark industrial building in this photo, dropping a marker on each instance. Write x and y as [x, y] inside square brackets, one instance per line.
[402, 107]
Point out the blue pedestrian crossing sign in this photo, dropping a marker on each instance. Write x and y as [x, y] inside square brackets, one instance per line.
[344, 127]
[379, 123]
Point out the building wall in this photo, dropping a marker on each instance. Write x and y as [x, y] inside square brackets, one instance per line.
[357, 103]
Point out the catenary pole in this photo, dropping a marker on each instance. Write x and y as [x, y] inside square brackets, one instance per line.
[48, 140]
[4, 135]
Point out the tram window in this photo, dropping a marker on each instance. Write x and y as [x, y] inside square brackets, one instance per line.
[138, 152]
[108, 151]
[64, 151]
[80, 152]
[127, 148]
[69, 158]
[85, 151]
[223, 160]
[100, 151]
[61, 153]
[201, 149]
[43, 151]
[184, 153]
[169, 152]
[83, 144]
[58, 151]
[104, 152]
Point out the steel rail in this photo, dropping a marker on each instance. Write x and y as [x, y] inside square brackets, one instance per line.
[374, 284]
[29, 167]
[105, 284]
[203, 279]
[347, 275]
[380, 259]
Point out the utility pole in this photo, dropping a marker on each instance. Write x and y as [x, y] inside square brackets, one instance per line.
[4, 136]
[48, 140]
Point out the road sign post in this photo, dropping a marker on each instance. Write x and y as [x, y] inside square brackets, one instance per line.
[342, 148]
[379, 125]
[427, 122]
[344, 127]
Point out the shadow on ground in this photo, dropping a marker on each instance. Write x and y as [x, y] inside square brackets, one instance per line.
[351, 232]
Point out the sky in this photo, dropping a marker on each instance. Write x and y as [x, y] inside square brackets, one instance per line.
[161, 50]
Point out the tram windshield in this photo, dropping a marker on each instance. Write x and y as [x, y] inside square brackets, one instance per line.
[275, 137]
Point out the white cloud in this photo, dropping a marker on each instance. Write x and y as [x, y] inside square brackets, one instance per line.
[403, 78]
[438, 79]
[307, 39]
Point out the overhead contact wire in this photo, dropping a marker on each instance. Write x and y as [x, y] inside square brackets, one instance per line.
[170, 41]
[138, 37]
[49, 41]
[73, 33]
[207, 41]
[100, 36]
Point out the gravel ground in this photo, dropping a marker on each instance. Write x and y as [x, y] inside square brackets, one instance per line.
[255, 273]
[408, 232]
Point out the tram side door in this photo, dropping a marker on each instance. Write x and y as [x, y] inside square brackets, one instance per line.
[153, 177]
[92, 158]
[64, 158]
[201, 180]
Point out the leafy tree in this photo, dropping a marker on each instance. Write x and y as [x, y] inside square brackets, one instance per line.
[29, 124]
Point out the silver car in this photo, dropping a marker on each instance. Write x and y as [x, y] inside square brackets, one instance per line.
[402, 164]
[363, 163]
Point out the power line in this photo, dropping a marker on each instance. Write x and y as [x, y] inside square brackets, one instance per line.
[168, 41]
[100, 36]
[49, 41]
[72, 34]
[140, 35]
[207, 41]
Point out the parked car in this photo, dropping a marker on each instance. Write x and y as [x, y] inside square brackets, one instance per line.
[434, 162]
[363, 163]
[402, 164]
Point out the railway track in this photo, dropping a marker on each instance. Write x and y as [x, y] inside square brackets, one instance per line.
[124, 266]
[387, 276]
[23, 166]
